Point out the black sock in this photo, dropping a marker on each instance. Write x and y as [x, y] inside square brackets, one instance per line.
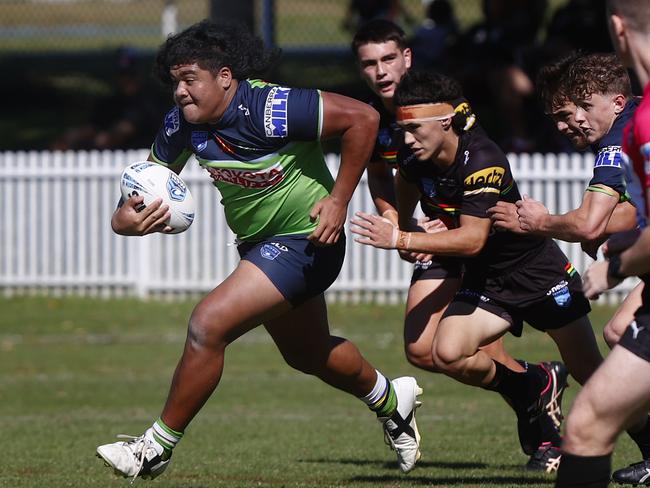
[583, 471]
[642, 439]
[519, 388]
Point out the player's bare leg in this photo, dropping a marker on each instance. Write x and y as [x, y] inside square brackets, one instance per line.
[426, 302]
[615, 397]
[457, 354]
[220, 317]
[458, 339]
[303, 337]
[623, 316]
[577, 344]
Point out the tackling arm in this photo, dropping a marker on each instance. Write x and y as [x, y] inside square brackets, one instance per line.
[586, 223]
[623, 218]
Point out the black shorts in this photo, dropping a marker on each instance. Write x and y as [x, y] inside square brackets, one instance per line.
[437, 268]
[298, 269]
[545, 291]
[636, 337]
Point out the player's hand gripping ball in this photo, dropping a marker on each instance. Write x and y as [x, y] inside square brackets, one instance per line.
[153, 181]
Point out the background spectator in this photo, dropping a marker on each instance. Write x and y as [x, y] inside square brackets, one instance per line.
[126, 119]
[438, 31]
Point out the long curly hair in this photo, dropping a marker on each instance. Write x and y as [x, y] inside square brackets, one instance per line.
[212, 46]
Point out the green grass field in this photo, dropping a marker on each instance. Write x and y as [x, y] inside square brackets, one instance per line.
[76, 372]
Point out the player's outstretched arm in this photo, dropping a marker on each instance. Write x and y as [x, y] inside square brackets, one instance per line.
[586, 223]
[623, 218]
[504, 217]
[356, 124]
[467, 240]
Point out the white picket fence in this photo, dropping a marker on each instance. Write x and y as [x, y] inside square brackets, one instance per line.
[55, 233]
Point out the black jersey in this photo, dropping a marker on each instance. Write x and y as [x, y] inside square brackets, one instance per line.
[479, 176]
[389, 136]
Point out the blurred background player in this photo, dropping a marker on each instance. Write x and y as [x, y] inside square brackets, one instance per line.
[435, 35]
[260, 143]
[383, 60]
[618, 394]
[126, 119]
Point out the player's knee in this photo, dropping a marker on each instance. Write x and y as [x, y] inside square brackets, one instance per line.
[447, 357]
[584, 429]
[420, 356]
[612, 332]
[206, 331]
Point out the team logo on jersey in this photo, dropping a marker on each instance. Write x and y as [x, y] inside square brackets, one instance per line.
[176, 188]
[384, 137]
[609, 156]
[275, 112]
[199, 140]
[270, 252]
[485, 180]
[429, 187]
[262, 178]
[561, 294]
[172, 121]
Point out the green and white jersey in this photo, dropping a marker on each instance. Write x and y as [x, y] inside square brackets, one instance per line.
[264, 156]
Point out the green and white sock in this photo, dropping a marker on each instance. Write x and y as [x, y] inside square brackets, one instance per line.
[165, 436]
[382, 399]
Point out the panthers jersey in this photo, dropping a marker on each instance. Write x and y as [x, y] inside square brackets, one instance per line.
[479, 176]
[389, 136]
[264, 156]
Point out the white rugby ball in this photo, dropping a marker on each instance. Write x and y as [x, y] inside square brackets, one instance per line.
[153, 181]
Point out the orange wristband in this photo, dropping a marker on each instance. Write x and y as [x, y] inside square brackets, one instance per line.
[403, 240]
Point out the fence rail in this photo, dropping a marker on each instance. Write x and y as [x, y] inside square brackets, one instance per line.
[55, 233]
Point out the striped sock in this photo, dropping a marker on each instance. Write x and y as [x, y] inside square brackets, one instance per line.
[166, 437]
[382, 399]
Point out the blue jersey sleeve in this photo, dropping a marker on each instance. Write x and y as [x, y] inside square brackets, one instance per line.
[304, 114]
[608, 169]
[170, 146]
[292, 114]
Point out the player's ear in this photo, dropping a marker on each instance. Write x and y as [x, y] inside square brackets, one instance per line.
[408, 57]
[224, 76]
[446, 123]
[619, 103]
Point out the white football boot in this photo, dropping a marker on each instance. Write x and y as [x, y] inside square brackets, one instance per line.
[138, 457]
[400, 430]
